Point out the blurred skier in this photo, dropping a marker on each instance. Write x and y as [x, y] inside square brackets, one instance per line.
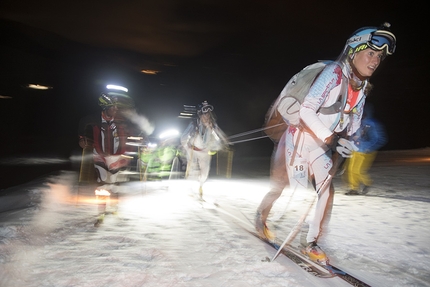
[202, 139]
[106, 135]
[369, 139]
[310, 145]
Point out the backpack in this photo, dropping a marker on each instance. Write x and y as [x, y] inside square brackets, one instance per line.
[284, 111]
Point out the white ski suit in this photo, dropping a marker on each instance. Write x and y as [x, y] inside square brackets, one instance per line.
[304, 145]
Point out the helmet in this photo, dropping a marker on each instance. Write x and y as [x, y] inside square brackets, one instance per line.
[109, 99]
[376, 38]
[204, 108]
[105, 101]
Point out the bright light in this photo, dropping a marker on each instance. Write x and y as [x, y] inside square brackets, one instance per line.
[115, 87]
[152, 145]
[102, 192]
[38, 87]
[133, 144]
[169, 133]
[134, 141]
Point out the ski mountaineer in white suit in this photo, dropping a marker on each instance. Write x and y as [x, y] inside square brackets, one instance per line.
[321, 137]
[202, 139]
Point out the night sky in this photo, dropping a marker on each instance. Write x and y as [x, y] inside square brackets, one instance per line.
[237, 55]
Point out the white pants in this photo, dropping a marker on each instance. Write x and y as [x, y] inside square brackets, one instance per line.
[302, 146]
[199, 163]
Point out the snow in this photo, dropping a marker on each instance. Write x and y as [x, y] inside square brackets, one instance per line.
[163, 236]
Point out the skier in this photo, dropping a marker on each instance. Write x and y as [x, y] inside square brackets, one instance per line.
[313, 142]
[201, 139]
[369, 139]
[106, 134]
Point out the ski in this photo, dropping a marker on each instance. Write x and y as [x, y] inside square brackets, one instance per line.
[302, 262]
[347, 277]
[313, 268]
[336, 271]
[296, 257]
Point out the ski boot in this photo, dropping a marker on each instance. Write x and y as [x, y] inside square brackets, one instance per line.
[262, 229]
[315, 253]
[365, 189]
[99, 220]
[352, 192]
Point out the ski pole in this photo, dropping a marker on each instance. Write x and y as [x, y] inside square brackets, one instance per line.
[337, 162]
[295, 230]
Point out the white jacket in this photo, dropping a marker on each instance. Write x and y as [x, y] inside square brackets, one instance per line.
[324, 92]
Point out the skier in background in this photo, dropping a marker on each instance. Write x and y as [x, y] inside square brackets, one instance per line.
[106, 134]
[201, 139]
[369, 139]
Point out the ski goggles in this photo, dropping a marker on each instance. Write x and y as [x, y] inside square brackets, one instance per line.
[207, 108]
[380, 40]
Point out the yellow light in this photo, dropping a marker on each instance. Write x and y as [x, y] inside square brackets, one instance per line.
[126, 156]
[38, 87]
[150, 72]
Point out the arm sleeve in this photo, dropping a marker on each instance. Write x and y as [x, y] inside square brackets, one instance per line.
[330, 78]
[85, 128]
[185, 135]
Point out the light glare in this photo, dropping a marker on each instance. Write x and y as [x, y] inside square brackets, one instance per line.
[169, 133]
[102, 192]
[38, 87]
[115, 87]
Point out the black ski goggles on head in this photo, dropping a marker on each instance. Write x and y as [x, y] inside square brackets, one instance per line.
[380, 40]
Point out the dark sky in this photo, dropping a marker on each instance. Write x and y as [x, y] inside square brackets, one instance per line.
[237, 55]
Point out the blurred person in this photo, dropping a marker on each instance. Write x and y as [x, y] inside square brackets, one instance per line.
[162, 162]
[320, 142]
[106, 135]
[201, 139]
[369, 139]
[171, 158]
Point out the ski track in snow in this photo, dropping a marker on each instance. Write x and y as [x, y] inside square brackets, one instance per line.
[163, 236]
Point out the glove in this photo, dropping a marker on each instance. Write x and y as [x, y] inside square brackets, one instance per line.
[85, 142]
[82, 142]
[345, 147]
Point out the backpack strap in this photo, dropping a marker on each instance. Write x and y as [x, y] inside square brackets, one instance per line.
[339, 105]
